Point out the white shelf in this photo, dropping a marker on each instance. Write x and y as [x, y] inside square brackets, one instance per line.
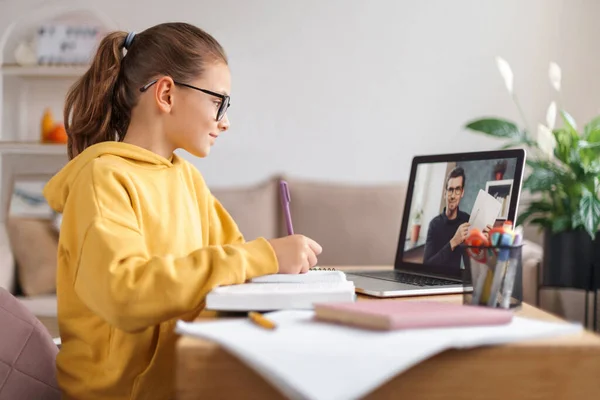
[66, 71]
[32, 148]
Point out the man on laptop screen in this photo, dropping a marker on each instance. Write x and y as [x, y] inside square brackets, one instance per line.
[448, 195]
[451, 196]
[449, 229]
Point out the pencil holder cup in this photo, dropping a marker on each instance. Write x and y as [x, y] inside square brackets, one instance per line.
[493, 276]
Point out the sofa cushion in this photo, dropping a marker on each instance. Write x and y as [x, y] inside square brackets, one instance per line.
[27, 354]
[356, 225]
[253, 208]
[7, 261]
[40, 306]
[34, 245]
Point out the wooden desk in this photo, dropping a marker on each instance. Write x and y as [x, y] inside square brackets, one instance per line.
[559, 368]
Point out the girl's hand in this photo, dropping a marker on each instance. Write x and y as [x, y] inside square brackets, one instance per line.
[295, 253]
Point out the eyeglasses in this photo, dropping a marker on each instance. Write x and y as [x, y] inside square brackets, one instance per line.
[225, 100]
[457, 190]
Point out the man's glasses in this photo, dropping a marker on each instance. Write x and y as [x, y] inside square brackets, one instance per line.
[454, 190]
[225, 100]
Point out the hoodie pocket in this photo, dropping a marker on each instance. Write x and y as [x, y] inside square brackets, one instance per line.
[149, 384]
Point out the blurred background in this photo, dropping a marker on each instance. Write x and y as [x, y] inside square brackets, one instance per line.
[351, 90]
[338, 95]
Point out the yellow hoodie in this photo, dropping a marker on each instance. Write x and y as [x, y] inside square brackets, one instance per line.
[142, 241]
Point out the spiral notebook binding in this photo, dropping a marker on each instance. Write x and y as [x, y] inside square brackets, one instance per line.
[321, 269]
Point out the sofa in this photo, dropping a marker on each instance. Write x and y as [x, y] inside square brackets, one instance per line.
[355, 224]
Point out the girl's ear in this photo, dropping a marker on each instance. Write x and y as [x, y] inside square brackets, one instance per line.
[163, 93]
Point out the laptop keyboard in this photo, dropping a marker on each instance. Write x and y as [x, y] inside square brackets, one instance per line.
[409, 279]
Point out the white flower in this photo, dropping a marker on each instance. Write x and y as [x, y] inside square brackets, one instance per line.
[555, 75]
[551, 116]
[546, 140]
[506, 73]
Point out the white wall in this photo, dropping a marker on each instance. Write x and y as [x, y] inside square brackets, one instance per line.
[351, 89]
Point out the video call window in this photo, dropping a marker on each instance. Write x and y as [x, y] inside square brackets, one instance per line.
[444, 195]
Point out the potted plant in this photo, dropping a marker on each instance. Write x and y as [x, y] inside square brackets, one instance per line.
[564, 181]
[416, 225]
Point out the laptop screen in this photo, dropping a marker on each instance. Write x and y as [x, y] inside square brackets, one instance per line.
[448, 198]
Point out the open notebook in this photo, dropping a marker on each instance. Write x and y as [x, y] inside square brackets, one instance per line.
[283, 292]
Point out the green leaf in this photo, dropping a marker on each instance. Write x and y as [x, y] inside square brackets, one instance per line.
[586, 144]
[569, 121]
[525, 215]
[577, 221]
[561, 223]
[522, 218]
[540, 180]
[589, 154]
[542, 221]
[592, 129]
[542, 164]
[568, 147]
[534, 208]
[540, 206]
[575, 162]
[495, 127]
[594, 135]
[535, 163]
[593, 168]
[589, 210]
[510, 145]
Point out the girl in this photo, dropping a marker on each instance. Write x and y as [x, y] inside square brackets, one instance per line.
[142, 239]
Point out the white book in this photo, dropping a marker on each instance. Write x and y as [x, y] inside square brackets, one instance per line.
[310, 276]
[485, 210]
[282, 292]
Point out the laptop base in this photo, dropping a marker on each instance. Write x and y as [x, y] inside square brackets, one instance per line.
[384, 288]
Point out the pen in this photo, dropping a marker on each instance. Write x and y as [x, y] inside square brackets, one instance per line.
[285, 202]
[511, 271]
[479, 257]
[481, 278]
[261, 320]
[506, 240]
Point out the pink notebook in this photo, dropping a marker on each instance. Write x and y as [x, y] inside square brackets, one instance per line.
[394, 314]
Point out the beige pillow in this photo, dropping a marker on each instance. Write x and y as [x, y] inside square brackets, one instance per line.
[355, 224]
[253, 208]
[34, 244]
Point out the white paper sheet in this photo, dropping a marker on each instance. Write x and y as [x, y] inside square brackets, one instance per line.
[485, 210]
[307, 359]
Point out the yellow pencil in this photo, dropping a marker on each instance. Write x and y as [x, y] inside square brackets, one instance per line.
[261, 321]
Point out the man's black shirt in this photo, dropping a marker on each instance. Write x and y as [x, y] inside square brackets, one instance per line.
[437, 245]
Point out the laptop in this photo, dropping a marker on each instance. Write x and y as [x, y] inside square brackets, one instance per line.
[444, 192]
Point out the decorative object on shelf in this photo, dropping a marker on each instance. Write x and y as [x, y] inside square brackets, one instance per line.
[59, 43]
[48, 63]
[51, 131]
[565, 182]
[27, 200]
[500, 169]
[25, 54]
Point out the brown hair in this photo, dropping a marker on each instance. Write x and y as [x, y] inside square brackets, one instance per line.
[455, 173]
[98, 106]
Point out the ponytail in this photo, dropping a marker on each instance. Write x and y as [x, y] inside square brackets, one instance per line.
[98, 106]
[91, 102]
